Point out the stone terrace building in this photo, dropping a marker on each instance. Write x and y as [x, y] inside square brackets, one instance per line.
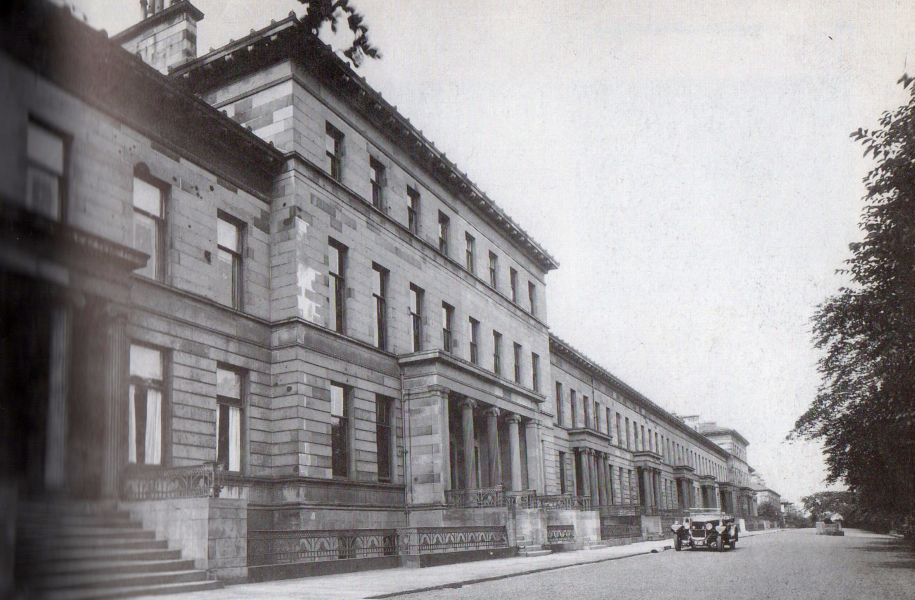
[258, 317]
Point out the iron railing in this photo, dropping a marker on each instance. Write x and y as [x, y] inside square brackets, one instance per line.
[437, 540]
[272, 547]
[619, 530]
[582, 502]
[558, 534]
[163, 483]
[522, 499]
[621, 510]
[478, 498]
[556, 502]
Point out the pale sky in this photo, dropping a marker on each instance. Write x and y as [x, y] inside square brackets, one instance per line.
[688, 164]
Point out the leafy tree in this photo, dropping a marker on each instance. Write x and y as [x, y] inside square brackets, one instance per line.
[823, 504]
[768, 510]
[333, 11]
[864, 411]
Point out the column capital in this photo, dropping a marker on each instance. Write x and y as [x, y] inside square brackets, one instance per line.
[491, 411]
[468, 403]
[513, 418]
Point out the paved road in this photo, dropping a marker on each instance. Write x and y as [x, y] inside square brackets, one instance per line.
[788, 565]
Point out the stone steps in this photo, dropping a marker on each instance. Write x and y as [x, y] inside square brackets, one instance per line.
[84, 550]
[131, 591]
[106, 567]
[527, 549]
[594, 546]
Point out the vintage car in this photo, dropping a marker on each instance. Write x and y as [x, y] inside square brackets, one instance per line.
[710, 530]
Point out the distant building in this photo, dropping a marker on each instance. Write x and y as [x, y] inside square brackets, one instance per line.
[737, 494]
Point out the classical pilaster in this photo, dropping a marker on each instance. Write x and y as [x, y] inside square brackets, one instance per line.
[55, 472]
[492, 441]
[467, 406]
[116, 383]
[514, 449]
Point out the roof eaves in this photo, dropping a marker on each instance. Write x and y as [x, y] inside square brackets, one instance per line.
[389, 116]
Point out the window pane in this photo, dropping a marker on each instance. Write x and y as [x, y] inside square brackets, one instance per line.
[153, 435]
[131, 424]
[234, 438]
[147, 197]
[222, 435]
[225, 277]
[378, 283]
[145, 362]
[227, 235]
[43, 193]
[45, 148]
[146, 239]
[337, 403]
[228, 383]
[334, 259]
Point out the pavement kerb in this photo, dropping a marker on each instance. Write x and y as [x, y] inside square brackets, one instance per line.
[475, 580]
[459, 584]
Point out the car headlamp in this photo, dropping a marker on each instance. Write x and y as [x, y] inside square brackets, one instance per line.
[708, 526]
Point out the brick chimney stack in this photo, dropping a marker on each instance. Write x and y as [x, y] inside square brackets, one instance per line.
[167, 35]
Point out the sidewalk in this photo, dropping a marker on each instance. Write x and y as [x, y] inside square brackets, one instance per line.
[390, 582]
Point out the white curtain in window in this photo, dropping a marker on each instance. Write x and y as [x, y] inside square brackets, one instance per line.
[153, 427]
[234, 438]
[131, 427]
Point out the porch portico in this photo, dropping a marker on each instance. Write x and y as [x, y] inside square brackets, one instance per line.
[471, 437]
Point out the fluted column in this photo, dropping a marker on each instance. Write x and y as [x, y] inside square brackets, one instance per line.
[514, 449]
[467, 406]
[55, 472]
[601, 480]
[116, 377]
[534, 457]
[492, 441]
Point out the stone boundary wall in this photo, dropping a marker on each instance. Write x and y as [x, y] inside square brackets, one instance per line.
[213, 532]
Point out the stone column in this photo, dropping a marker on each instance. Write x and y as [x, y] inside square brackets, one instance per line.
[534, 457]
[116, 385]
[595, 483]
[467, 406]
[514, 449]
[608, 477]
[492, 441]
[55, 472]
[646, 488]
[585, 473]
[619, 489]
[601, 480]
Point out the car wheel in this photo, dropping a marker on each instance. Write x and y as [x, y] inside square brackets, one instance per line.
[678, 545]
[719, 544]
